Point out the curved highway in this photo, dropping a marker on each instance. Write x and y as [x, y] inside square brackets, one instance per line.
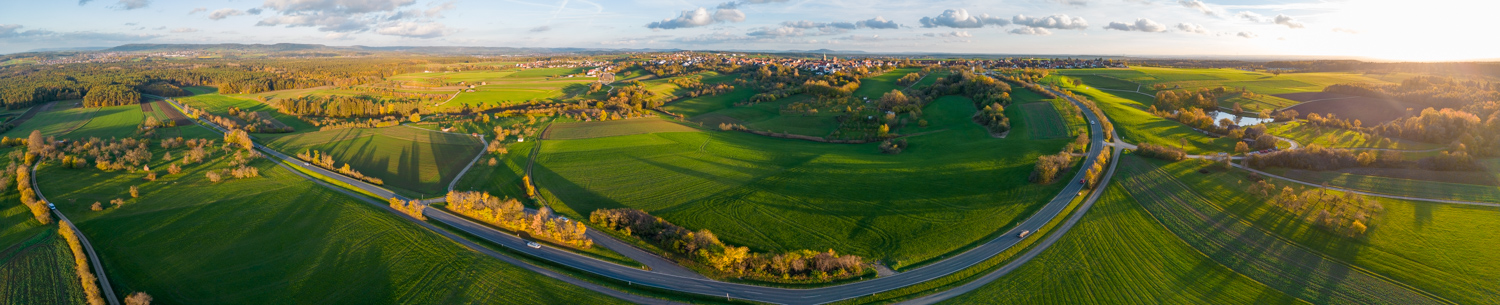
[105, 289]
[707, 287]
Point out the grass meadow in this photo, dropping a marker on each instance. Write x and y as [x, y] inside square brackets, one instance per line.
[279, 239]
[876, 86]
[1463, 187]
[1132, 122]
[948, 190]
[1264, 84]
[599, 129]
[1119, 254]
[1306, 134]
[1431, 247]
[220, 104]
[411, 160]
[1044, 120]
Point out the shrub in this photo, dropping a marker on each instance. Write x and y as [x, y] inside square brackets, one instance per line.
[1049, 167]
[1161, 152]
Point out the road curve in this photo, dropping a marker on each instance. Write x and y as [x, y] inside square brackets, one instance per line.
[705, 287]
[431, 213]
[109, 292]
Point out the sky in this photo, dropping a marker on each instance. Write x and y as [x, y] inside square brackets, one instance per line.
[1428, 30]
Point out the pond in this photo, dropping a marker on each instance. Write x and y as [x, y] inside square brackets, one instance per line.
[1239, 120]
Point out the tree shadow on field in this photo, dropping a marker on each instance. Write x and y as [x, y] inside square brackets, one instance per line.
[575, 196]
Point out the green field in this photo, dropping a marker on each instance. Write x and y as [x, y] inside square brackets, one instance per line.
[1119, 254]
[111, 122]
[599, 129]
[693, 107]
[1044, 120]
[1331, 137]
[279, 239]
[412, 161]
[220, 104]
[949, 189]
[547, 72]
[62, 118]
[874, 87]
[38, 269]
[1265, 84]
[1402, 187]
[1429, 246]
[1135, 125]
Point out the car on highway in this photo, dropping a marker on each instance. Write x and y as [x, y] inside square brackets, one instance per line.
[533, 245]
[1024, 234]
[1082, 181]
[50, 206]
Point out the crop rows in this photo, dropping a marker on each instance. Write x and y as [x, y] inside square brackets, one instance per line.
[1250, 251]
[1044, 121]
[39, 271]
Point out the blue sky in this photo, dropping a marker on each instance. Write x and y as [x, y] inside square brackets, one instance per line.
[1388, 29]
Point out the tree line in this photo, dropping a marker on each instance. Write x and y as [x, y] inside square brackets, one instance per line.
[325, 161]
[91, 291]
[507, 213]
[344, 106]
[704, 247]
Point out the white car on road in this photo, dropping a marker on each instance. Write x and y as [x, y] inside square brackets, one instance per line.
[533, 245]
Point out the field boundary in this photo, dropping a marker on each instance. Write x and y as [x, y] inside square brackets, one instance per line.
[31, 113]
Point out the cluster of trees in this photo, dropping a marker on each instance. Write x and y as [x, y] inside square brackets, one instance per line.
[1347, 215]
[1029, 84]
[1204, 98]
[507, 213]
[984, 90]
[704, 247]
[909, 79]
[411, 208]
[91, 291]
[326, 161]
[892, 146]
[695, 87]
[162, 88]
[343, 106]
[1331, 120]
[1438, 126]
[1313, 157]
[111, 95]
[257, 121]
[38, 208]
[496, 147]
[1051, 167]
[239, 138]
[1160, 152]
[993, 118]
[333, 123]
[831, 86]
[1106, 125]
[635, 95]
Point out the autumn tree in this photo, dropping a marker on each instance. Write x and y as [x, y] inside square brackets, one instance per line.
[138, 298]
[81, 265]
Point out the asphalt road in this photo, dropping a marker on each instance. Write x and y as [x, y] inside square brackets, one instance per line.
[706, 287]
[105, 289]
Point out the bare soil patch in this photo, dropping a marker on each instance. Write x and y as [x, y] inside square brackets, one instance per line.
[1371, 111]
[176, 116]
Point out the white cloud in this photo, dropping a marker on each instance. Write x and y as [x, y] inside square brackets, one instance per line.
[1191, 28]
[1060, 22]
[13, 33]
[1140, 25]
[698, 17]
[1073, 2]
[960, 18]
[225, 13]
[338, 36]
[336, 6]
[540, 29]
[1287, 21]
[184, 30]
[131, 4]
[954, 34]
[1200, 6]
[415, 30]
[1345, 30]
[784, 31]
[877, 23]
[1246, 35]
[1251, 16]
[1031, 31]
[197, 10]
